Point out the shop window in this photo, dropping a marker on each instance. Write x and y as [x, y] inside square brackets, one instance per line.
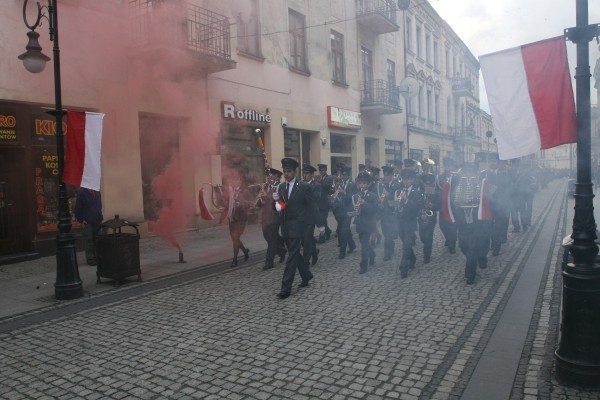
[297, 145]
[393, 151]
[297, 28]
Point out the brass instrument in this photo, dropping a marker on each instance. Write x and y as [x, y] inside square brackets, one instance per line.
[400, 197]
[467, 196]
[427, 213]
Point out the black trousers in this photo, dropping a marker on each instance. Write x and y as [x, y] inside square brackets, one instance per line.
[498, 228]
[324, 214]
[294, 262]
[408, 237]
[473, 240]
[345, 239]
[366, 250]
[309, 246]
[426, 230]
[449, 230]
[275, 243]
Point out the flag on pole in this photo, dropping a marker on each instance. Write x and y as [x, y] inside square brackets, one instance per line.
[84, 145]
[204, 212]
[531, 97]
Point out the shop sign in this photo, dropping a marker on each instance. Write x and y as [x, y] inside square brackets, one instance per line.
[44, 128]
[230, 112]
[8, 126]
[341, 118]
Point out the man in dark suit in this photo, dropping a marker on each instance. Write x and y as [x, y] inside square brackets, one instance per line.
[385, 190]
[346, 188]
[324, 203]
[270, 220]
[366, 206]
[295, 203]
[410, 203]
[310, 251]
[449, 229]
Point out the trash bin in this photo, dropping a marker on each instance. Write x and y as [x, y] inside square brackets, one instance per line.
[118, 253]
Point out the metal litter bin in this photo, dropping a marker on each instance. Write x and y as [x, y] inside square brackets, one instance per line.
[117, 252]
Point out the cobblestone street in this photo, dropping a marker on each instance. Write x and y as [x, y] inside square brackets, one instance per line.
[346, 336]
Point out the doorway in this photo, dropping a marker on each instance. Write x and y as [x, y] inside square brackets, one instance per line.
[13, 210]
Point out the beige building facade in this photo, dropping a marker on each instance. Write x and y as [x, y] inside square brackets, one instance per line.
[186, 85]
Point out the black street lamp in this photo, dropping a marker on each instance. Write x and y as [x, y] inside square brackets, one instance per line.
[404, 5]
[488, 135]
[578, 353]
[68, 283]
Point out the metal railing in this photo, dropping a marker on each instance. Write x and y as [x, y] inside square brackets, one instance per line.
[380, 93]
[195, 28]
[385, 8]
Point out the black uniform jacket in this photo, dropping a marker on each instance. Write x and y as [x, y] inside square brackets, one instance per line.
[300, 209]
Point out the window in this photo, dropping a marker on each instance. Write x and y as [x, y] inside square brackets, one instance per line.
[428, 47]
[429, 105]
[249, 30]
[391, 73]
[448, 64]
[393, 152]
[421, 100]
[419, 43]
[436, 56]
[297, 41]
[436, 108]
[337, 54]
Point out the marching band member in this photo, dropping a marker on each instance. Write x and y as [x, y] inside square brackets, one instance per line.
[346, 188]
[366, 206]
[310, 251]
[327, 189]
[468, 197]
[242, 201]
[499, 182]
[448, 228]
[428, 215]
[409, 202]
[385, 190]
[270, 220]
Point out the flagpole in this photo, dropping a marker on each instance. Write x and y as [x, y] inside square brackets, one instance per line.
[578, 353]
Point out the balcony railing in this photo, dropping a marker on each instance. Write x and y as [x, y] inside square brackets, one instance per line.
[165, 25]
[462, 86]
[379, 97]
[377, 15]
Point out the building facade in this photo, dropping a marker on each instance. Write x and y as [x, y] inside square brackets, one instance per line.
[186, 86]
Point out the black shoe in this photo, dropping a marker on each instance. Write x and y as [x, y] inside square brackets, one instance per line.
[351, 250]
[315, 257]
[483, 265]
[268, 265]
[452, 250]
[321, 239]
[327, 235]
[362, 271]
[403, 274]
[495, 252]
[246, 254]
[303, 284]
[233, 264]
[470, 281]
[426, 260]
[282, 257]
[342, 255]
[283, 295]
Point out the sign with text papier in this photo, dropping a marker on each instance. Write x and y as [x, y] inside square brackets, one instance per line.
[343, 118]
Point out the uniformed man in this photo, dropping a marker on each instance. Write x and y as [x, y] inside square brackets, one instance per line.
[310, 251]
[409, 203]
[346, 188]
[469, 208]
[366, 206]
[270, 219]
[428, 215]
[385, 190]
[499, 182]
[295, 202]
[448, 228]
[327, 190]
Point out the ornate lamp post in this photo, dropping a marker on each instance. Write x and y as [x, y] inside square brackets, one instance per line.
[68, 283]
[404, 5]
[578, 353]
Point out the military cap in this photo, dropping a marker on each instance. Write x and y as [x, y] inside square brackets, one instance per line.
[494, 157]
[363, 176]
[428, 178]
[289, 163]
[362, 166]
[387, 170]
[346, 170]
[408, 173]
[308, 168]
[398, 163]
[409, 163]
[375, 171]
[322, 166]
[275, 172]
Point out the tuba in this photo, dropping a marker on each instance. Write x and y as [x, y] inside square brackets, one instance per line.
[467, 196]
[427, 213]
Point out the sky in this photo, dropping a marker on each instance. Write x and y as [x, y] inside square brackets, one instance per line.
[487, 26]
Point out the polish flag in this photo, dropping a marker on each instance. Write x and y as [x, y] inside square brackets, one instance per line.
[531, 97]
[84, 145]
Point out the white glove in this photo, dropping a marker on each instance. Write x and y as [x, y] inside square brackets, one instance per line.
[321, 230]
[278, 206]
[275, 196]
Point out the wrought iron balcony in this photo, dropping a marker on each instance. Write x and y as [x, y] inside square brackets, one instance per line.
[379, 97]
[462, 86]
[377, 15]
[465, 134]
[165, 26]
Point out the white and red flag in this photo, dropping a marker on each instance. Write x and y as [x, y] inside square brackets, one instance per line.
[84, 149]
[531, 97]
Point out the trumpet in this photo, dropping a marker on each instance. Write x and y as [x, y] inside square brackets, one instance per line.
[400, 197]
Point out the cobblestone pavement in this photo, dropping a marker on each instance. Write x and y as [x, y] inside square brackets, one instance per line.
[346, 336]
